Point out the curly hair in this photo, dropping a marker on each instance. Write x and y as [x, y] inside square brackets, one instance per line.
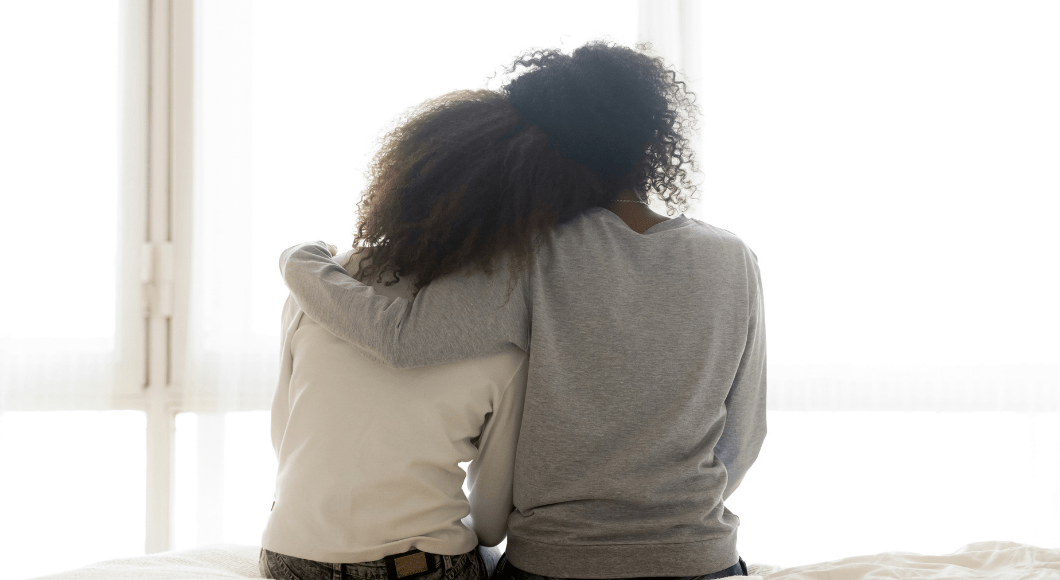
[474, 176]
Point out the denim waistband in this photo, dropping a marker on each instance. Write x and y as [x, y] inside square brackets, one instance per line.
[377, 570]
[444, 567]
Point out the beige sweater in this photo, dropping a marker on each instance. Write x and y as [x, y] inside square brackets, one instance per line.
[368, 454]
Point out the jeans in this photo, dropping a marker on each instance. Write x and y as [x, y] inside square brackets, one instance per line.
[478, 564]
[506, 571]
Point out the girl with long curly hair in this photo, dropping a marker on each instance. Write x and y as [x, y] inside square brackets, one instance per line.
[613, 388]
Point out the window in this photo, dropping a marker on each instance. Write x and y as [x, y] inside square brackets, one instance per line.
[891, 165]
[70, 343]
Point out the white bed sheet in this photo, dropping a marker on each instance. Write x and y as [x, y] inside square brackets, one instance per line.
[979, 561]
[216, 562]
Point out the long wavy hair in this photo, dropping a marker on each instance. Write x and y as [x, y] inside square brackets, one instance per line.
[473, 176]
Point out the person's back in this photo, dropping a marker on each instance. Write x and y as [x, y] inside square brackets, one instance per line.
[367, 471]
[642, 346]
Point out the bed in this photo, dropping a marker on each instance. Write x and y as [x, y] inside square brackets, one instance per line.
[979, 561]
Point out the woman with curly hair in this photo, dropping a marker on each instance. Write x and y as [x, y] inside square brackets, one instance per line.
[520, 219]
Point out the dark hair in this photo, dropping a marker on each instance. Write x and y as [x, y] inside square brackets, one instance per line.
[472, 176]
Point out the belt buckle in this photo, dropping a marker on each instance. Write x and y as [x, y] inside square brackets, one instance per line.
[411, 564]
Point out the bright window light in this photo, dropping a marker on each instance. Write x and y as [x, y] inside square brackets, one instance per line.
[74, 489]
[59, 142]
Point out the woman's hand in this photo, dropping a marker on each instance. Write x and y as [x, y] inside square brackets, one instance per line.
[334, 251]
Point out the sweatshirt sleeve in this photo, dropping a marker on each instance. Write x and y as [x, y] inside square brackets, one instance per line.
[745, 405]
[461, 316]
[491, 475]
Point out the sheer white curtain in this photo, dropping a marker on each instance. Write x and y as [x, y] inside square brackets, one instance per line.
[71, 336]
[231, 356]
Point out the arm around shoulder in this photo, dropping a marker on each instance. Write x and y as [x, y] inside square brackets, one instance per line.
[458, 317]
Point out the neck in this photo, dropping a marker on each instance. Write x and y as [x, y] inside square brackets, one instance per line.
[637, 216]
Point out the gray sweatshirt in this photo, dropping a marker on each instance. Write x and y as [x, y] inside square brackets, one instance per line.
[646, 391]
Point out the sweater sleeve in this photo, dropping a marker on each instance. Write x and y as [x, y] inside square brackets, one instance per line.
[491, 475]
[745, 405]
[461, 316]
